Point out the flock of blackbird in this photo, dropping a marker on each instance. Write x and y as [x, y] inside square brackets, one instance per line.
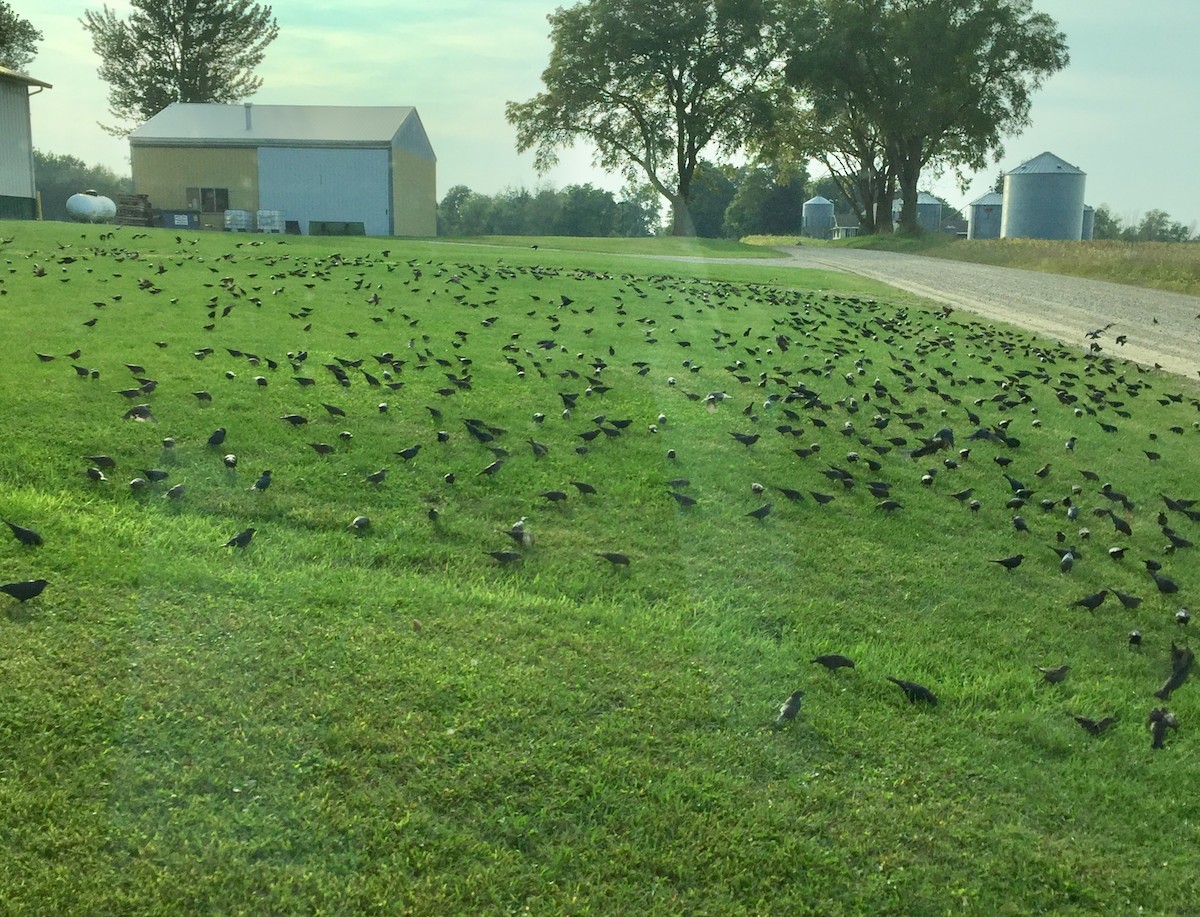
[881, 435]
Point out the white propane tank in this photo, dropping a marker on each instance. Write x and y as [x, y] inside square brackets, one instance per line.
[90, 207]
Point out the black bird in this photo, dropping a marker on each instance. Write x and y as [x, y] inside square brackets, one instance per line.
[295, 419]
[24, 535]
[1182, 659]
[154, 475]
[1054, 674]
[1160, 720]
[1165, 584]
[539, 449]
[493, 467]
[554, 496]
[1091, 726]
[24, 591]
[1129, 601]
[410, 452]
[1135, 638]
[217, 437]
[375, 477]
[583, 487]
[263, 482]
[615, 558]
[240, 540]
[321, 448]
[1010, 563]
[821, 499]
[761, 513]
[683, 499]
[746, 439]
[834, 661]
[1091, 602]
[788, 709]
[913, 691]
[504, 557]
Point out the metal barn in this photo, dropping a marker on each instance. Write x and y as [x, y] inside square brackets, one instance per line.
[18, 192]
[329, 170]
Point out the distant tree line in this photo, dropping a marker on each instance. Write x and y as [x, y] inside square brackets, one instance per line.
[727, 202]
[576, 210]
[1154, 226]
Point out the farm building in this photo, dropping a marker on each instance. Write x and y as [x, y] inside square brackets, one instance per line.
[1043, 199]
[18, 195]
[983, 216]
[327, 170]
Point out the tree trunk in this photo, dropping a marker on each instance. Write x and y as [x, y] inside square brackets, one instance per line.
[681, 217]
[909, 175]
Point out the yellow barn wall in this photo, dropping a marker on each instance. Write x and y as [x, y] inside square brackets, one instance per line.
[164, 173]
[414, 194]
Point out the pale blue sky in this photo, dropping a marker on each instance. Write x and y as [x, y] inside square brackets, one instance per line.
[1126, 110]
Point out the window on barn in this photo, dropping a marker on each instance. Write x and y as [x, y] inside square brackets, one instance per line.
[208, 200]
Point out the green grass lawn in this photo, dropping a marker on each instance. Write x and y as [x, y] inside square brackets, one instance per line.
[389, 720]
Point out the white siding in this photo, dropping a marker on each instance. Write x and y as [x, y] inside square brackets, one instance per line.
[351, 185]
[16, 144]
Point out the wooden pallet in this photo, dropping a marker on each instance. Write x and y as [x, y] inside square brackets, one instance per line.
[134, 210]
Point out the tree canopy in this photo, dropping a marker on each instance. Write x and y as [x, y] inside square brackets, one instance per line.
[652, 85]
[18, 40]
[934, 82]
[178, 51]
[59, 176]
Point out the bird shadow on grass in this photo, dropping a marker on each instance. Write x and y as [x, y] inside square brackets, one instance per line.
[19, 614]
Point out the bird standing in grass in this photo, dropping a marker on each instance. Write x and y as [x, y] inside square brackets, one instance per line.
[24, 535]
[1160, 720]
[914, 691]
[1054, 674]
[26, 590]
[788, 709]
[263, 482]
[834, 661]
[1010, 563]
[240, 540]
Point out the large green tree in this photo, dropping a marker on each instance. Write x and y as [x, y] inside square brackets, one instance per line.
[18, 40]
[653, 85]
[940, 82]
[178, 51]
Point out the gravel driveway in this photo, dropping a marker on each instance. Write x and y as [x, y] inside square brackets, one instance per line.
[1162, 328]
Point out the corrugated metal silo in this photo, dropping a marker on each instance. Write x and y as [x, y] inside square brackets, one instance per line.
[983, 216]
[1089, 222]
[817, 218]
[1043, 199]
[929, 212]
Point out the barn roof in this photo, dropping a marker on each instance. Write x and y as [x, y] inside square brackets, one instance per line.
[15, 77]
[192, 123]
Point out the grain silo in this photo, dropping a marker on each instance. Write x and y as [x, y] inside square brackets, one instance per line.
[817, 218]
[929, 212]
[1089, 222]
[1043, 199]
[983, 216]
